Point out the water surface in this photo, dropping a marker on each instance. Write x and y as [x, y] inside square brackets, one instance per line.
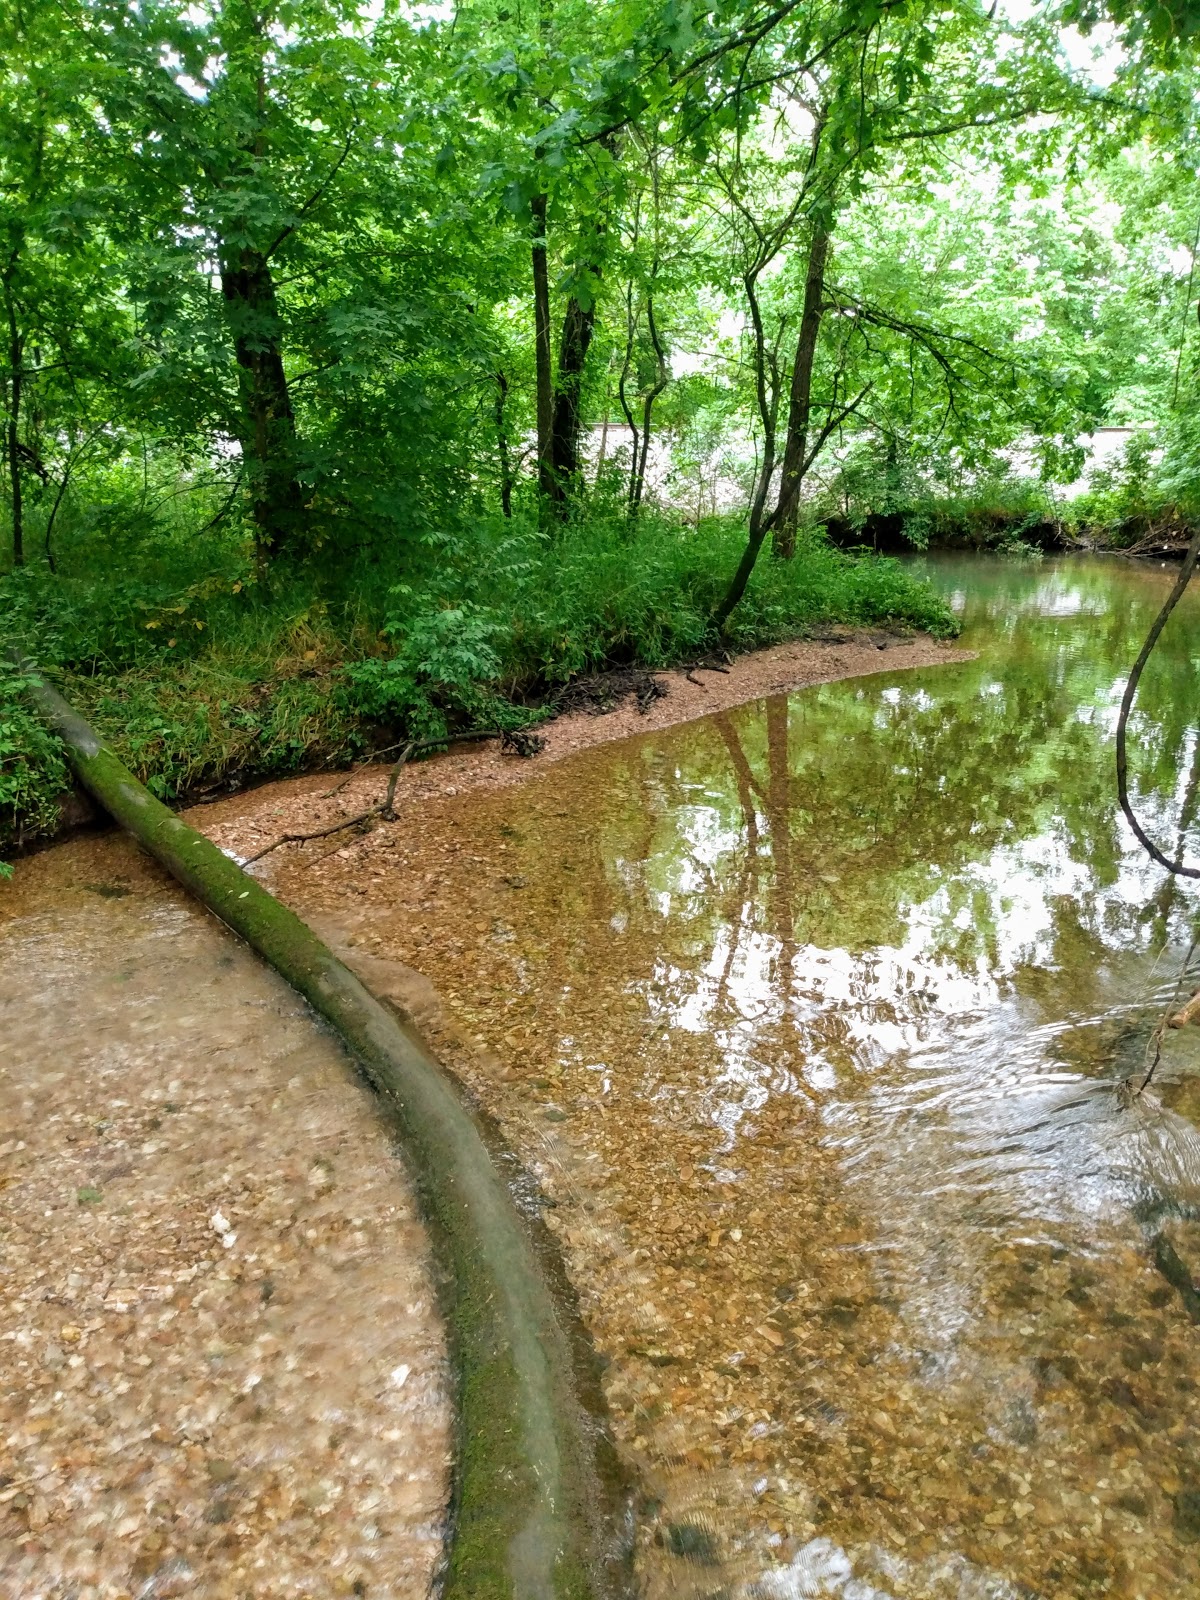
[221, 1369]
[809, 1016]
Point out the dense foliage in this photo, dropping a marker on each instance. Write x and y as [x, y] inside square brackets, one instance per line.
[371, 367]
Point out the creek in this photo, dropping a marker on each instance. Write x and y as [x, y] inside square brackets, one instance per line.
[222, 1370]
[808, 1016]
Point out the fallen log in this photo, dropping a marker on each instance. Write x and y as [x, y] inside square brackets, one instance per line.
[535, 1510]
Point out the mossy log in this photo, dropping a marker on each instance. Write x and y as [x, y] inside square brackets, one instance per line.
[535, 1510]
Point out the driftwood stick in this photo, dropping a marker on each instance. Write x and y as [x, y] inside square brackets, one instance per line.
[525, 744]
[315, 833]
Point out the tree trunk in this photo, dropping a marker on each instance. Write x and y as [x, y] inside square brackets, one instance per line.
[800, 405]
[600, 459]
[577, 330]
[16, 358]
[268, 431]
[531, 1512]
[541, 336]
[14, 468]
[579, 324]
[60, 492]
[766, 397]
[660, 383]
[630, 419]
[502, 446]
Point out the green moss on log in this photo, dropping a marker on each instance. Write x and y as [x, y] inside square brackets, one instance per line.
[532, 1518]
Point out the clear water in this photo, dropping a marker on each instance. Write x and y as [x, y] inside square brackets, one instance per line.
[219, 1352]
[809, 1017]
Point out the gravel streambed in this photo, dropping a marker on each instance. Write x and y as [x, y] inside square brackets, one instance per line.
[221, 1370]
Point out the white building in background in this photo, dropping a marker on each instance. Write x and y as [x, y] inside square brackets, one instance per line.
[722, 482]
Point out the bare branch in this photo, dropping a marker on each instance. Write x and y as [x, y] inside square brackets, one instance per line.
[835, 420]
[315, 197]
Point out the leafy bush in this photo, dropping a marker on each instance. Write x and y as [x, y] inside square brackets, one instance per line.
[441, 672]
[33, 773]
[608, 593]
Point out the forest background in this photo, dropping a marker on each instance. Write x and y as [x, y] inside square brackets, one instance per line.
[372, 371]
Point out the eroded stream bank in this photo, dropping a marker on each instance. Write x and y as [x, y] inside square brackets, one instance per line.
[806, 1017]
[222, 1371]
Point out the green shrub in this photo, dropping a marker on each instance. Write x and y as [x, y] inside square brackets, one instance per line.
[33, 774]
[440, 674]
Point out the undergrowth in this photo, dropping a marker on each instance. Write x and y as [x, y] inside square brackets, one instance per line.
[199, 676]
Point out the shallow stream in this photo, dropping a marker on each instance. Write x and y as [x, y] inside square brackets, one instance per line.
[808, 1016]
[221, 1367]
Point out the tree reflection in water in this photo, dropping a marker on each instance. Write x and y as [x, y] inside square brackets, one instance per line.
[809, 1015]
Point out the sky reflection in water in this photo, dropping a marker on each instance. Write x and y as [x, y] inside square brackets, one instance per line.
[937, 926]
[937, 1050]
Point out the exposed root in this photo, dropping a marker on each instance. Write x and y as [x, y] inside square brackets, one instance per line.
[602, 692]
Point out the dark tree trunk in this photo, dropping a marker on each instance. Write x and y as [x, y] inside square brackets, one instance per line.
[502, 446]
[577, 330]
[660, 383]
[800, 406]
[579, 324]
[541, 335]
[268, 430]
[16, 357]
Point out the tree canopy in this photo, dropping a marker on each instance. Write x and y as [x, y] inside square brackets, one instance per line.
[524, 339]
[364, 270]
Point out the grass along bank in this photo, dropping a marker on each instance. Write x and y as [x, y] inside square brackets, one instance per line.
[199, 676]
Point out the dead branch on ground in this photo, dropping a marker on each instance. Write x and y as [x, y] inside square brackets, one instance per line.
[520, 741]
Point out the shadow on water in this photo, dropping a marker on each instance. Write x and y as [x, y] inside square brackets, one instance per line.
[809, 1016]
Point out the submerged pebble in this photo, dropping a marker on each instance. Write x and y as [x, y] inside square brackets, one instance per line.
[195, 1339]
